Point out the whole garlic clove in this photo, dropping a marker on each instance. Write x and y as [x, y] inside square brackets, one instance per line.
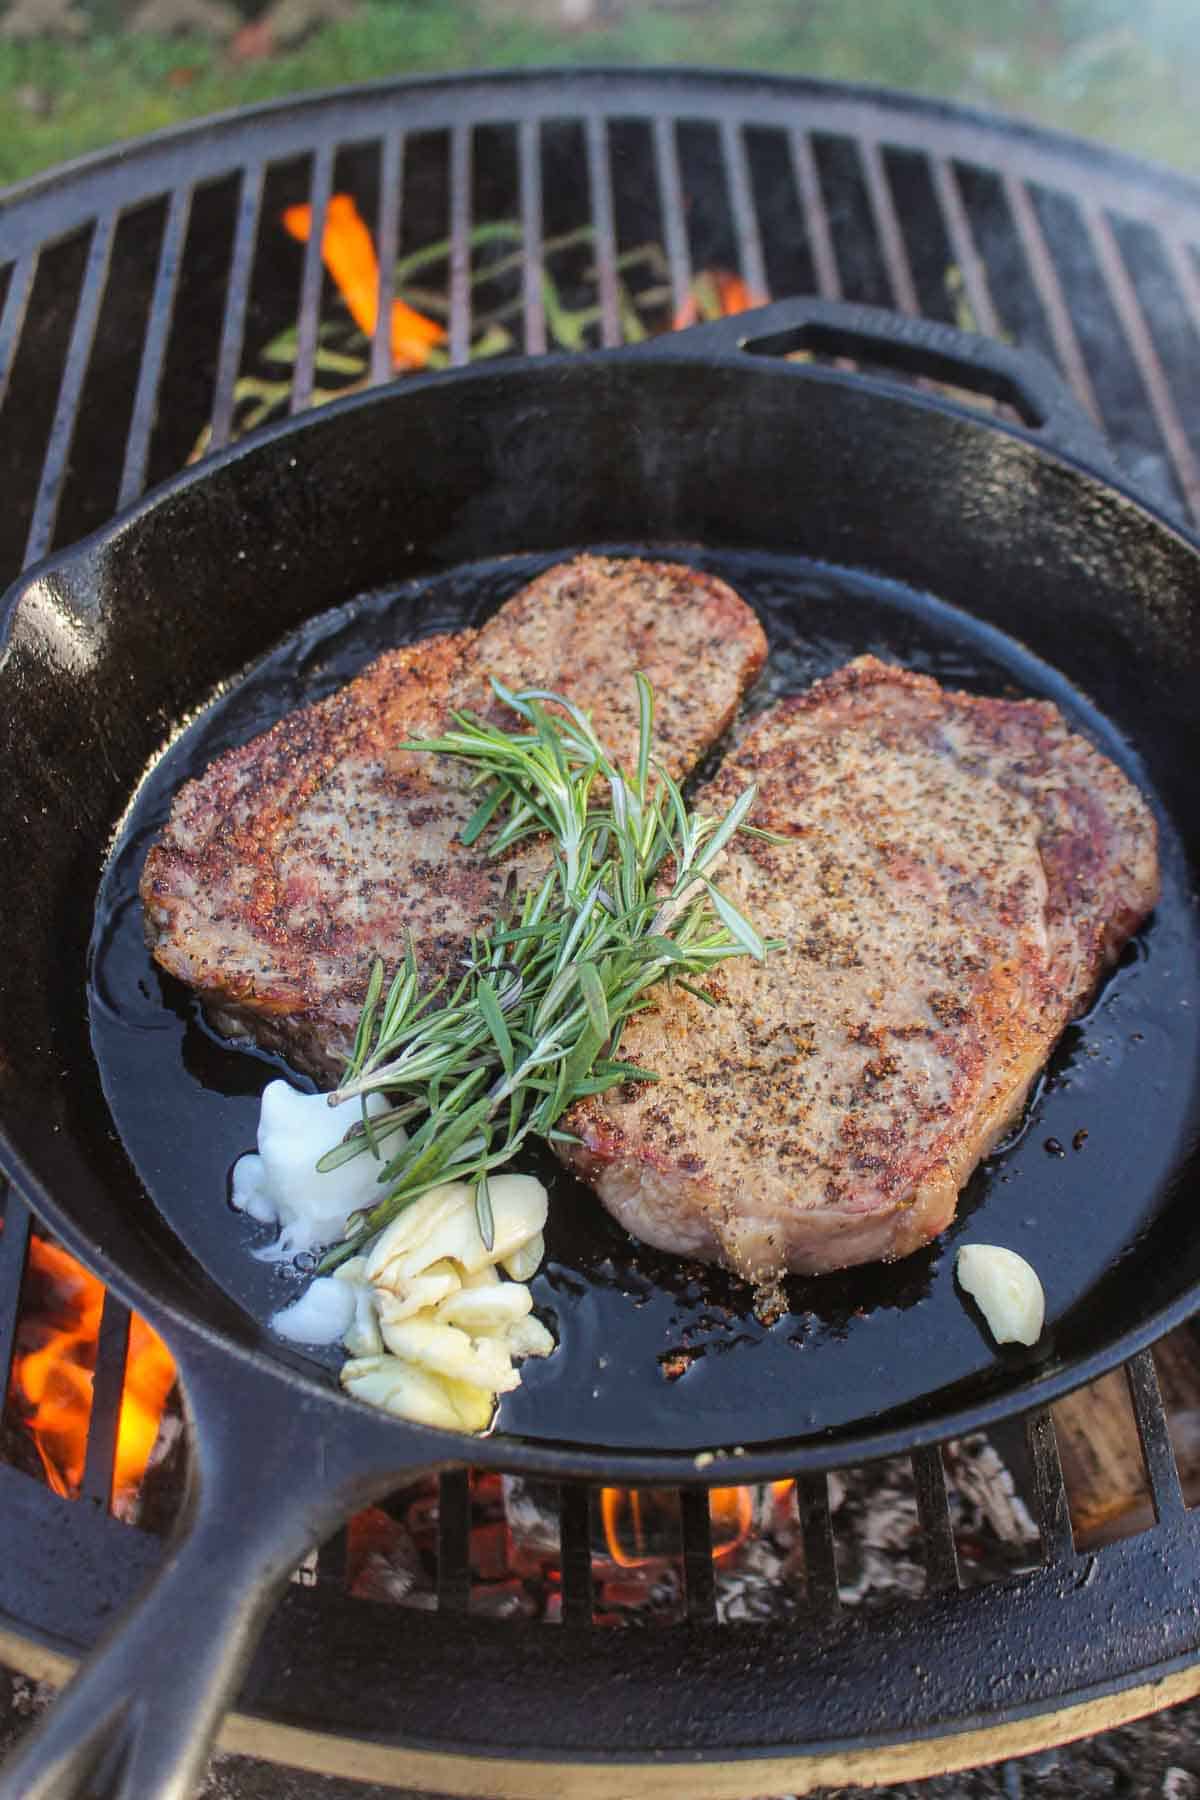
[1006, 1290]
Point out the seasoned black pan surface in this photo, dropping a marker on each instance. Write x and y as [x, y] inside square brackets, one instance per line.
[654, 1351]
[837, 503]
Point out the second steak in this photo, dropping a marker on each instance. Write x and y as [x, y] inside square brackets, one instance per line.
[958, 873]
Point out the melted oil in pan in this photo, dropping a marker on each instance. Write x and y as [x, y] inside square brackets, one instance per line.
[654, 1352]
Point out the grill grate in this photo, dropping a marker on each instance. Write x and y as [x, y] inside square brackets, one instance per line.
[138, 292]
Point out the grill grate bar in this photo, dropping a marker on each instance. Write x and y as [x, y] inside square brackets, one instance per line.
[1162, 1471]
[1187, 277]
[695, 1523]
[12, 319]
[460, 245]
[941, 1557]
[1049, 1489]
[1050, 293]
[14, 1248]
[233, 323]
[820, 237]
[310, 282]
[575, 1552]
[83, 332]
[887, 226]
[387, 237]
[454, 1541]
[962, 243]
[533, 298]
[745, 216]
[145, 400]
[108, 1384]
[1141, 343]
[600, 194]
[671, 210]
[820, 1557]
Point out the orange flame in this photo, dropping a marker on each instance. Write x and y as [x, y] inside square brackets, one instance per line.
[55, 1381]
[716, 294]
[349, 255]
[639, 1526]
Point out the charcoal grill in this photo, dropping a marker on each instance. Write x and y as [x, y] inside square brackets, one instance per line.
[138, 291]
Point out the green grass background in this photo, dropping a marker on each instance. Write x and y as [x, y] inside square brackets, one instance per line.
[1129, 76]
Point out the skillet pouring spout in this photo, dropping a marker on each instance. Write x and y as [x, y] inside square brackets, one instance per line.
[269, 1479]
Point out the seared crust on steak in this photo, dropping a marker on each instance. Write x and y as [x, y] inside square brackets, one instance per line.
[958, 874]
[294, 861]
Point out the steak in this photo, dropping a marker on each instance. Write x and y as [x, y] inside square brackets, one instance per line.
[957, 874]
[297, 859]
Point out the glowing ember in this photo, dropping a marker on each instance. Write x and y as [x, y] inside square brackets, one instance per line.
[54, 1382]
[349, 254]
[716, 294]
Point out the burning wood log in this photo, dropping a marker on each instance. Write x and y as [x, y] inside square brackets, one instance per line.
[1099, 1450]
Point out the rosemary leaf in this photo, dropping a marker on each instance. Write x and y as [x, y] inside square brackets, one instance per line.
[483, 1213]
[592, 989]
[493, 1018]
[737, 925]
[366, 1023]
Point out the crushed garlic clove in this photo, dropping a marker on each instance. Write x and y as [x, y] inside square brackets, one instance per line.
[445, 1350]
[421, 1291]
[488, 1276]
[486, 1310]
[1006, 1290]
[353, 1269]
[475, 1406]
[364, 1337]
[526, 1259]
[528, 1337]
[442, 1226]
[424, 1233]
[435, 1328]
[397, 1387]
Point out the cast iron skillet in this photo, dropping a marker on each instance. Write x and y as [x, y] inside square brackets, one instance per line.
[1064, 580]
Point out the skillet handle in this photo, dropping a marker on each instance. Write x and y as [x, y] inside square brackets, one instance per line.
[983, 365]
[272, 1475]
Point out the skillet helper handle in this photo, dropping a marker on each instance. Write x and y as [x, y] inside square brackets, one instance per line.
[138, 1720]
[1047, 408]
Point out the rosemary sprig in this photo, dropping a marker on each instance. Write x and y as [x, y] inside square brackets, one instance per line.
[534, 1022]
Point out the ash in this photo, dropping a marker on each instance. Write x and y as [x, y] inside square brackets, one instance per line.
[879, 1540]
